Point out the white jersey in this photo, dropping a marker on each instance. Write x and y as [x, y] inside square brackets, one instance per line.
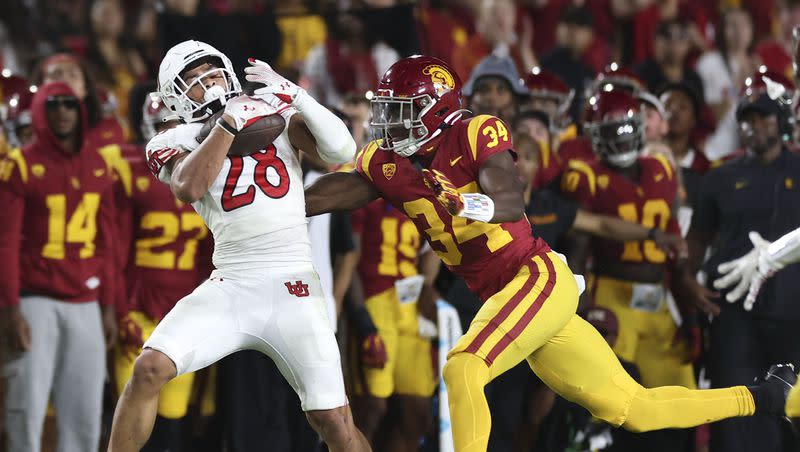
[255, 208]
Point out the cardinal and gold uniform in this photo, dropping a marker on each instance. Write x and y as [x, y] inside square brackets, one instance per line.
[647, 329]
[164, 248]
[390, 247]
[529, 301]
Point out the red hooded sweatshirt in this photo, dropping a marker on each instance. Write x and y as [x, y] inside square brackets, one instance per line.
[58, 215]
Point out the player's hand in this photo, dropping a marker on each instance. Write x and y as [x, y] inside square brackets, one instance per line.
[373, 351]
[274, 83]
[130, 336]
[444, 190]
[698, 295]
[15, 329]
[689, 332]
[109, 317]
[672, 244]
[241, 111]
[748, 272]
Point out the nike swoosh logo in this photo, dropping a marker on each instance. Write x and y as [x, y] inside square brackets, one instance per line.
[659, 177]
[455, 160]
[99, 172]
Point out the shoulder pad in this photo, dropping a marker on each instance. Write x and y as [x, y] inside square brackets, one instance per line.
[14, 159]
[575, 169]
[364, 158]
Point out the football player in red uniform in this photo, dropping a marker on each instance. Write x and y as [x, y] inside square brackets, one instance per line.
[455, 179]
[165, 251]
[396, 277]
[57, 284]
[630, 276]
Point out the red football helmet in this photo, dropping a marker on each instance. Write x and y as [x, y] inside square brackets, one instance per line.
[543, 84]
[417, 98]
[154, 112]
[615, 125]
[16, 95]
[618, 77]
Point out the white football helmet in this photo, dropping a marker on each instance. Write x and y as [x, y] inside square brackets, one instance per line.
[173, 90]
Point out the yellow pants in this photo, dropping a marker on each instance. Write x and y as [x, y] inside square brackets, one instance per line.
[793, 402]
[533, 317]
[409, 367]
[173, 401]
[645, 339]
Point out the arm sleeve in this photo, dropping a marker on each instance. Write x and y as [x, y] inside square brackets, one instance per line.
[341, 233]
[13, 202]
[334, 142]
[705, 214]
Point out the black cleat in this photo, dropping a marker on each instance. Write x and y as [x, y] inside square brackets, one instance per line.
[770, 396]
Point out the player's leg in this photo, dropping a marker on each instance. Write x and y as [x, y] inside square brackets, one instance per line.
[198, 331]
[173, 401]
[415, 383]
[296, 334]
[579, 365]
[30, 376]
[372, 386]
[78, 380]
[511, 324]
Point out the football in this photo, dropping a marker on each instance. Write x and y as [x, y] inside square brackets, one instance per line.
[252, 138]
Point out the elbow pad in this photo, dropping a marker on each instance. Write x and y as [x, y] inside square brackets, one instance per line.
[335, 145]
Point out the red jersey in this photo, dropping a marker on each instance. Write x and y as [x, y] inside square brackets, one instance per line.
[58, 217]
[486, 255]
[163, 245]
[390, 245]
[553, 165]
[648, 202]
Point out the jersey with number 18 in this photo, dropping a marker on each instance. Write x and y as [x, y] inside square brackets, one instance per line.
[255, 208]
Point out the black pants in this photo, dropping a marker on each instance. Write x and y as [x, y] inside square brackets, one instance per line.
[257, 408]
[743, 347]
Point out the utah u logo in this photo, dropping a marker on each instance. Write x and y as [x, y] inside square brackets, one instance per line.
[298, 289]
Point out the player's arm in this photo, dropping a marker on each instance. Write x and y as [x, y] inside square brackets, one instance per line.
[192, 173]
[338, 191]
[501, 201]
[315, 129]
[13, 326]
[614, 228]
[429, 265]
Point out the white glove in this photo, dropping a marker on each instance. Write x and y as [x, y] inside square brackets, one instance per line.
[274, 83]
[427, 328]
[748, 271]
[244, 110]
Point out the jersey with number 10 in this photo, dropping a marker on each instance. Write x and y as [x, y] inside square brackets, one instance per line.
[647, 201]
[486, 255]
[255, 208]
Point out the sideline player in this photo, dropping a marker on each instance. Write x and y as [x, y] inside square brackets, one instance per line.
[467, 202]
[396, 275]
[264, 294]
[630, 277]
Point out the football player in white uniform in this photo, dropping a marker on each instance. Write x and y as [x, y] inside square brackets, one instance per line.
[264, 294]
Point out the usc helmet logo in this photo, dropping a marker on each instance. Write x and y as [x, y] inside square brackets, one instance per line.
[441, 77]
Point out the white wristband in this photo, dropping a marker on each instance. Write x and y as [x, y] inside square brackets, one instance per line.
[478, 207]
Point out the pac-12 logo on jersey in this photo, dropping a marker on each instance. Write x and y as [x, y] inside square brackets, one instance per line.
[298, 289]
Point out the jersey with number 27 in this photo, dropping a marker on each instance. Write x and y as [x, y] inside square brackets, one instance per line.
[255, 208]
[486, 255]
